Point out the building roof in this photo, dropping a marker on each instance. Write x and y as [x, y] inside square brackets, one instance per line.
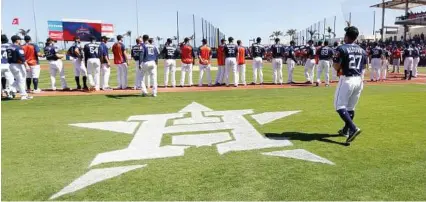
[400, 4]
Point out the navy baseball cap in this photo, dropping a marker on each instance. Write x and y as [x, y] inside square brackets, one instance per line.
[119, 37]
[50, 39]
[92, 38]
[169, 40]
[15, 38]
[27, 38]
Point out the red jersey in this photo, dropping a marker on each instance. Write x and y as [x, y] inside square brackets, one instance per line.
[118, 50]
[241, 55]
[396, 53]
[31, 54]
[221, 55]
[187, 54]
[204, 54]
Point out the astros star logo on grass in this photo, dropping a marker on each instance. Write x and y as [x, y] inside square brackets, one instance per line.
[194, 125]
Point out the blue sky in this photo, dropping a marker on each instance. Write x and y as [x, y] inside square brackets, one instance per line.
[242, 19]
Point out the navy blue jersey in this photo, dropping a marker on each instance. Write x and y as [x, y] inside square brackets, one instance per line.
[91, 50]
[277, 50]
[170, 52]
[408, 52]
[290, 53]
[231, 50]
[150, 53]
[15, 54]
[50, 52]
[310, 51]
[416, 52]
[352, 58]
[4, 47]
[73, 48]
[103, 48]
[376, 52]
[136, 49]
[257, 50]
[325, 53]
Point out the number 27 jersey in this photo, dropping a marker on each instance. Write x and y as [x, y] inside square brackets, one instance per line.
[352, 59]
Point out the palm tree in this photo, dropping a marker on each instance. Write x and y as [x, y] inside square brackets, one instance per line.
[291, 33]
[158, 39]
[312, 33]
[276, 34]
[330, 31]
[23, 32]
[129, 34]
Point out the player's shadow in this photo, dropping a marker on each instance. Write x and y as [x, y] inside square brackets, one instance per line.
[122, 96]
[306, 137]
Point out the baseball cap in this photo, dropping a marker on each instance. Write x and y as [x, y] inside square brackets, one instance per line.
[50, 39]
[292, 42]
[223, 40]
[119, 37]
[186, 39]
[352, 32]
[169, 40]
[15, 38]
[27, 38]
[204, 40]
[231, 39]
[104, 37]
[258, 39]
[92, 38]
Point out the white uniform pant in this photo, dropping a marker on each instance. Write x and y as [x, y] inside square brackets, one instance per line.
[290, 68]
[79, 68]
[376, 67]
[348, 92]
[205, 68]
[170, 67]
[186, 68]
[396, 64]
[220, 74]
[5, 72]
[33, 72]
[324, 66]
[94, 72]
[138, 75]
[149, 69]
[231, 65]
[277, 70]
[309, 69]
[242, 72]
[408, 63]
[105, 72]
[384, 69]
[257, 66]
[122, 75]
[55, 67]
[415, 65]
[19, 72]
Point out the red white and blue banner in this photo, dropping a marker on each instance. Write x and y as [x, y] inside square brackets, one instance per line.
[55, 30]
[84, 30]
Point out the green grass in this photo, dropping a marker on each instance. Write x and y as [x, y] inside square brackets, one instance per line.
[41, 154]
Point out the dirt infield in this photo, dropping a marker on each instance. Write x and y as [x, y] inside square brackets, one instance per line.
[392, 80]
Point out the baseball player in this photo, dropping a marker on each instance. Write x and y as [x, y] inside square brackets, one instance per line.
[221, 63]
[333, 71]
[188, 60]
[310, 62]
[408, 62]
[277, 62]
[350, 59]
[325, 54]
[120, 59]
[92, 61]
[416, 59]
[149, 56]
[396, 55]
[5, 71]
[18, 65]
[258, 52]
[105, 64]
[76, 52]
[135, 55]
[377, 57]
[204, 55]
[231, 55]
[291, 62]
[145, 39]
[55, 64]
[241, 62]
[385, 64]
[170, 54]
[32, 52]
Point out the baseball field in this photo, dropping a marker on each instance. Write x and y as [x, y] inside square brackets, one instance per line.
[239, 144]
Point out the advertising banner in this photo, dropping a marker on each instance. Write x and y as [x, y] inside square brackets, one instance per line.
[82, 29]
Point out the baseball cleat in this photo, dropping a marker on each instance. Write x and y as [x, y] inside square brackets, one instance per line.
[253, 83]
[144, 94]
[308, 82]
[317, 84]
[26, 97]
[78, 87]
[53, 88]
[343, 132]
[154, 95]
[353, 135]
[66, 89]
[36, 91]
[327, 85]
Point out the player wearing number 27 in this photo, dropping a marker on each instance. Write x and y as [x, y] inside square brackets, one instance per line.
[350, 60]
[93, 62]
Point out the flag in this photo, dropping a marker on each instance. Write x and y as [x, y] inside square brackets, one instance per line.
[15, 21]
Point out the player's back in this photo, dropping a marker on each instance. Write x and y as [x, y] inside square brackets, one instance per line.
[310, 52]
[257, 50]
[30, 51]
[151, 53]
[136, 49]
[205, 53]
[4, 47]
[91, 50]
[242, 55]
[353, 58]
[15, 54]
[187, 54]
[325, 53]
[118, 52]
[221, 55]
[170, 52]
[231, 50]
[408, 52]
[277, 50]
[376, 52]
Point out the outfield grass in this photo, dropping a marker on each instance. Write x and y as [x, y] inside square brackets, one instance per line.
[41, 154]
